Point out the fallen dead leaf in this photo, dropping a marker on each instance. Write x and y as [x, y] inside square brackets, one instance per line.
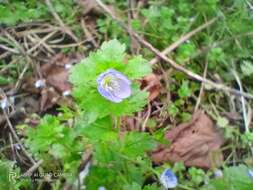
[56, 74]
[196, 143]
[56, 71]
[49, 97]
[152, 83]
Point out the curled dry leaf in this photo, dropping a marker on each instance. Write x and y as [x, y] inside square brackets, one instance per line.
[196, 143]
[152, 83]
[56, 71]
[56, 74]
[49, 97]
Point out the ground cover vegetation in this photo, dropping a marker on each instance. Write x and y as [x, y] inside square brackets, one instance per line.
[126, 94]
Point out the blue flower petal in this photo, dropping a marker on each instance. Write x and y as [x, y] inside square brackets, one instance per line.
[123, 90]
[121, 76]
[101, 188]
[168, 179]
[113, 85]
[218, 173]
[106, 94]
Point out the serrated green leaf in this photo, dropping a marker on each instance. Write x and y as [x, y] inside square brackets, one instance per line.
[136, 144]
[184, 90]
[137, 67]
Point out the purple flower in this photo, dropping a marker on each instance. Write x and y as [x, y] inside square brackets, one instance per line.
[113, 85]
[218, 173]
[168, 179]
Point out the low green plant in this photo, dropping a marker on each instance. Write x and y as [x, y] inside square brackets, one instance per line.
[235, 177]
[15, 12]
[119, 159]
[10, 176]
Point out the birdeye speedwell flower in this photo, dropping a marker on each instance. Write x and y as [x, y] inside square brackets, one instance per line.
[113, 85]
[168, 179]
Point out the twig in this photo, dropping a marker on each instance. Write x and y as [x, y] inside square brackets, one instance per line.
[38, 31]
[12, 146]
[201, 88]
[9, 49]
[24, 53]
[176, 66]
[44, 44]
[67, 45]
[15, 42]
[13, 132]
[183, 39]
[134, 45]
[20, 77]
[243, 102]
[250, 6]
[29, 172]
[85, 165]
[88, 34]
[57, 17]
[147, 117]
[5, 54]
[40, 41]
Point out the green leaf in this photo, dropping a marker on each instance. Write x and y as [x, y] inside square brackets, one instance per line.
[247, 68]
[184, 90]
[4, 80]
[44, 135]
[234, 178]
[133, 186]
[10, 177]
[137, 67]
[137, 144]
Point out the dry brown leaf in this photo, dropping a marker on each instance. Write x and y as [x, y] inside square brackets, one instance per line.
[56, 75]
[56, 71]
[152, 83]
[196, 143]
[49, 98]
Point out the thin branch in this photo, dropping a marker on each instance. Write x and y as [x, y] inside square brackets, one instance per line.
[201, 88]
[13, 132]
[35, 166]
[243, 102]
[9, 49]
[176, 66]
[146, 118]
[183, 39]
[61, 23]
[88, 34]
[41, 41]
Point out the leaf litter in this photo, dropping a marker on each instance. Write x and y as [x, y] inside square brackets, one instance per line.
[196, 143]
[53, 86]
[152, 84]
